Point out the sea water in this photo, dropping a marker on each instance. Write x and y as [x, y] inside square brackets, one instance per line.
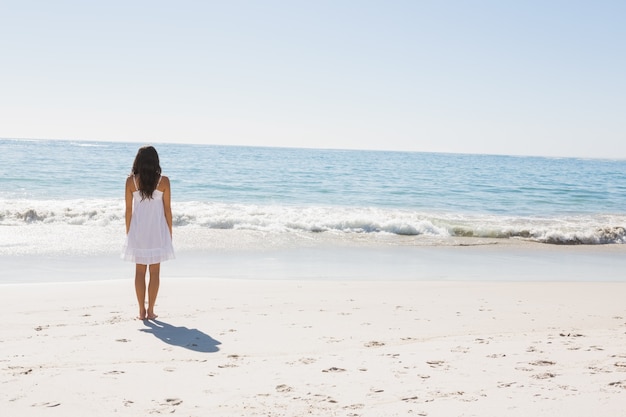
[68, 196]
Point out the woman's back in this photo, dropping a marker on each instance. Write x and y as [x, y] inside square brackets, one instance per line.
[149, 239]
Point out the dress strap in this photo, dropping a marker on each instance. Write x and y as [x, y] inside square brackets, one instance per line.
[135, 182]
[160, 176]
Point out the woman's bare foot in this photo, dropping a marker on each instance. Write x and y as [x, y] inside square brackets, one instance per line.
[151, 316]
[142, 315]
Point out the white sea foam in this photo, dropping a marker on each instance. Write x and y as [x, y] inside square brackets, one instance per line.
[97, 225]
[96, 212]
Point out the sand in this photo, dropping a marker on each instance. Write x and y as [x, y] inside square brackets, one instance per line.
[298, 347]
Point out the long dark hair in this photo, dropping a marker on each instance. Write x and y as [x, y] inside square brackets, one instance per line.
[148, 170]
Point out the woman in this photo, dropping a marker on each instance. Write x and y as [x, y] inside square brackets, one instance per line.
[148, 226]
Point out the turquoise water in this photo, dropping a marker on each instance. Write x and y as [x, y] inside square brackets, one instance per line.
[283, 190]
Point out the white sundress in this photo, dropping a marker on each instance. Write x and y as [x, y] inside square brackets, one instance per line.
[148, 240]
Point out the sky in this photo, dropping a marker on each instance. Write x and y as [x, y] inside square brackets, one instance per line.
[497, 77]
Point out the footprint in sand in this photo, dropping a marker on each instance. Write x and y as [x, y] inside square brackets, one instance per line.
[48, 405]
[322, 398]
[357, 406]
[114, 372]
[435, 364]
[542, 363]
[168, 406]
[374, 343]
[283, 388]
[407, 399]
[334, 369]
[233, 359]
[20, 370]
[460, 349]
[594, 348]
[506, 384]
[441, 394]
[546, 375]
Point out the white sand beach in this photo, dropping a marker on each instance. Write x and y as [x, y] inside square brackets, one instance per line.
[321, 347]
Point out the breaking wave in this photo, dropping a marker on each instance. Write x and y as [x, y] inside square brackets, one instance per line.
[567, 230]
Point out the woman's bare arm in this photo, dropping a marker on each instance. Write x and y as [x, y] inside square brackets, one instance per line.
[129, 202]
[167, 202]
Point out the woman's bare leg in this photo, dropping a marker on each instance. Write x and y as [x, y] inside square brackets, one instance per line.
[153, 289]
[140, 289]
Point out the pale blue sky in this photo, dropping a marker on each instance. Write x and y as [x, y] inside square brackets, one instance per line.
[504, 77]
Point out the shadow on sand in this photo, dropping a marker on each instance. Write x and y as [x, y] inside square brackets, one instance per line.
[192, 339]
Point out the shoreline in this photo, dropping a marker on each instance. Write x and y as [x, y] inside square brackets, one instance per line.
[336, 259]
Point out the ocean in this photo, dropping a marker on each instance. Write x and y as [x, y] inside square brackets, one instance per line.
[68, 196]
